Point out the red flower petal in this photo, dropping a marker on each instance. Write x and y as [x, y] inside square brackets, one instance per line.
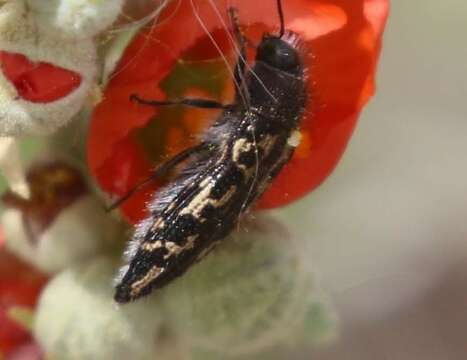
[376, 13]
[20, 285]
[344, 41]
[27, 351]
[37, 82]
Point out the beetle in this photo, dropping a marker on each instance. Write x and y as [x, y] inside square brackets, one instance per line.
[227, 171]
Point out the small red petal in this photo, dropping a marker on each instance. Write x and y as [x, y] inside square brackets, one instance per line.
[26, 351]
[376, 12]
[128, 165]
[38, 82]
[20, 285]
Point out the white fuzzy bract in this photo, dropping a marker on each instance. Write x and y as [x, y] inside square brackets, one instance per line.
[82, 230]
[76, 318]
[75, 18]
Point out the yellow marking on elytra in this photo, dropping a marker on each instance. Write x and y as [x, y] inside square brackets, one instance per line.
[151, 246]
[159, 224]
[206, 181]
[241, 145]
[200, 201]
[175, 249]
[190, 242]
[224, 147]
[139, 285]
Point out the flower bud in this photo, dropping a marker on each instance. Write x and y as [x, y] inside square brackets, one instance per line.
[60, 224]
[251, 295]
[75, 18]
[77, 319]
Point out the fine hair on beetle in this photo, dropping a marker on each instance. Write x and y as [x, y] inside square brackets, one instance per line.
[234, 162]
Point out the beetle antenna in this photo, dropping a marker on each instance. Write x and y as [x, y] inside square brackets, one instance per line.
[281, 18]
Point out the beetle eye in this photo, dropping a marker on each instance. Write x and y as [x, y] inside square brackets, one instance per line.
[278, 54]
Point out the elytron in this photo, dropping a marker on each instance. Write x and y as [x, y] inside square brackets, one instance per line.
[233, 164]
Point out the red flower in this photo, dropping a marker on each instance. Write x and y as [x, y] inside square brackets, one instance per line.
[20, 286]
[169, 59]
